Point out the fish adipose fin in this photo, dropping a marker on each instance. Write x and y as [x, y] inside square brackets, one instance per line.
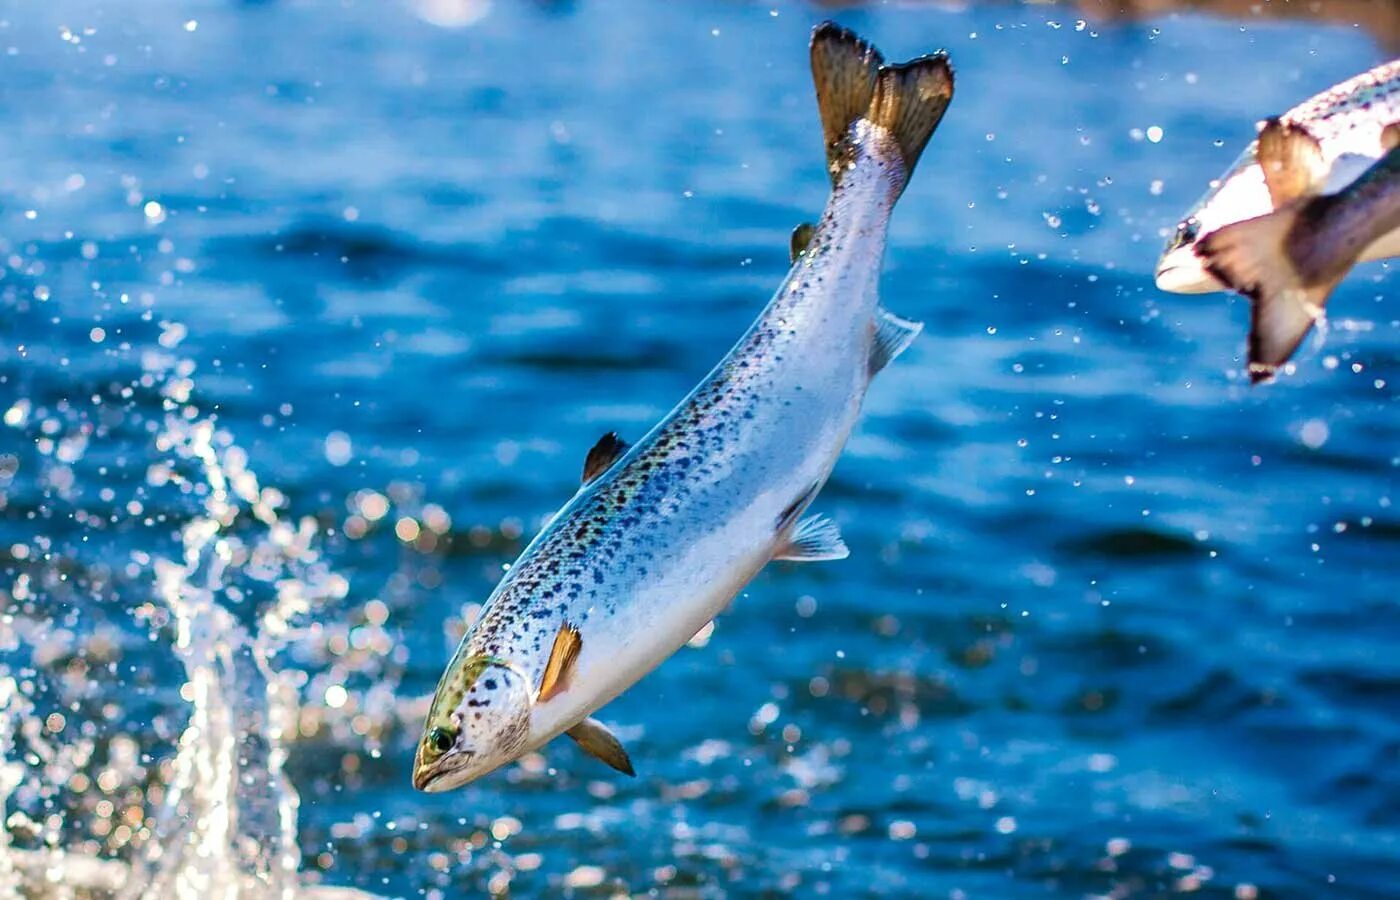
[567, 644]
[892, 336]
[1291, 160]
[907, 100]
[597, 741]
[609, 449]
[801, 237]
[1251, 257]
[815, 539]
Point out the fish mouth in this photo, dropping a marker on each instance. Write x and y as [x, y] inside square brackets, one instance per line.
[1180, 271]
[438, 779]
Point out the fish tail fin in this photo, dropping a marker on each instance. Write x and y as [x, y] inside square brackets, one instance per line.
[1252, 258]
[907, 99]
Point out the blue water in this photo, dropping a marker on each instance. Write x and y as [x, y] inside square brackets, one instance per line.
[1113, 623]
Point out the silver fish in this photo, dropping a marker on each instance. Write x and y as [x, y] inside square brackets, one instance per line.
[1350, 123]
[1289, 261]
[664, 533]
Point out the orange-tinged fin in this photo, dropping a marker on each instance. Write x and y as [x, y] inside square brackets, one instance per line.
[1292, 161]
[907, 100]
[910, 100]
[597, 741]
[607, 451]
[801, 237]
[1251, 257]
[843, 69]
[567, 644]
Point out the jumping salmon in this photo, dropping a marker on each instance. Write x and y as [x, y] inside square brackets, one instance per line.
[1289, 261]
[1349, 123]
[664, 533]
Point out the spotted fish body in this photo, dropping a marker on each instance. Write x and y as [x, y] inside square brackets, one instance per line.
[651, 549]
[1354, 123]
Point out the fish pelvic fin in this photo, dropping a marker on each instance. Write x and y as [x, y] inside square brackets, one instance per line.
[907, 100]
[594, 738]
[893, 336]
[815, 539]
[1291, 160]
[1252, 258]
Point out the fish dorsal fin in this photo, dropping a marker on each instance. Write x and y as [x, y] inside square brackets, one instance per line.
[607, 451]
[815, 539]
[1390, 137]
[893, 336]
[597, 741]
[910, 100]
[567, 644]
[843, 69]
[1291, 160]
[801, 238]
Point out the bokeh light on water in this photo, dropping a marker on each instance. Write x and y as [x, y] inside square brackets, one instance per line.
[308, 315]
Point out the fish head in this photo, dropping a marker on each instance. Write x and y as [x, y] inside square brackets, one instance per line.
[1237, 195]
[479, 721]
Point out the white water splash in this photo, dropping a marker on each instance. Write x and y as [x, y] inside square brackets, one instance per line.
[226, 826]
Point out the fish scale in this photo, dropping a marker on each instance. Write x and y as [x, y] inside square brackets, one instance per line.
[662, 539]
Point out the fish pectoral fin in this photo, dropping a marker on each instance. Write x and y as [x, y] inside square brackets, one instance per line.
[1252, 257]
[815, 539]
[801, 237]
[560, 666]
[594, 738]
[892, 336]
[609, 449]
[1291, 160]
[1390, 137]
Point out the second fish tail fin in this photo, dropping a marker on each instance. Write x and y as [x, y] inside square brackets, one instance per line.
[906, 100]
[1252, 257]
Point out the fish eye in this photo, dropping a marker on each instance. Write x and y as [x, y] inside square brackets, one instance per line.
[442, 739]
[1187, 232]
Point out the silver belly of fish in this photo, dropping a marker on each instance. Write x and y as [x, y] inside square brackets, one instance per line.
[662, 535]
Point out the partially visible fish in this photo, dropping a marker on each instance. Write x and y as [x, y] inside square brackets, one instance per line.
[1349, 123]
[663, 534]
[1289, 261]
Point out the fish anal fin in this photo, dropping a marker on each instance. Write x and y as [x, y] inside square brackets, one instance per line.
[801, 238]
[560, 666]
[1291, 160]
[844, 69]
[893, 336]
[815, 539]
[609, 449]
[594, 738]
